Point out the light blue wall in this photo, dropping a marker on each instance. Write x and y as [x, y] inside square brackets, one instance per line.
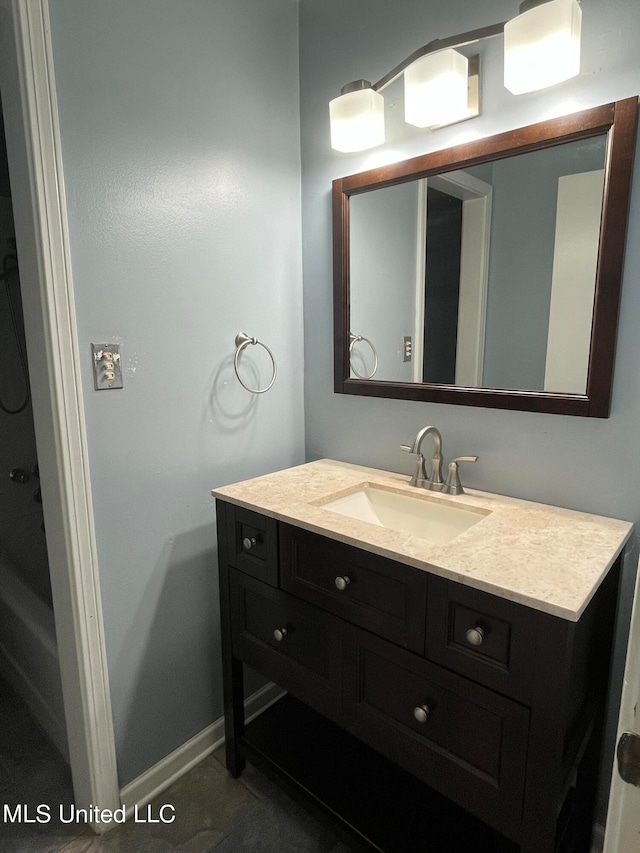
[181, 158]
[586, 464]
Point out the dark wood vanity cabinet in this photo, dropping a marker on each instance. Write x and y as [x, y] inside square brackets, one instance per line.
[494, 707]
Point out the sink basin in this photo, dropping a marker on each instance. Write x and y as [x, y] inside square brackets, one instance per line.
[420, 516]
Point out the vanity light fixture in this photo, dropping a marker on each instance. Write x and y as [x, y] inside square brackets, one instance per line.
[441, 85]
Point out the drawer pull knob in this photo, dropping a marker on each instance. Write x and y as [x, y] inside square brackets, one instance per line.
[421, 713]
[280, 634]
[475, 636]
[342, 582]
[249, 542]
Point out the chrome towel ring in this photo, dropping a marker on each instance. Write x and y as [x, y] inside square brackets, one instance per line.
[242, 341]
[356, 339]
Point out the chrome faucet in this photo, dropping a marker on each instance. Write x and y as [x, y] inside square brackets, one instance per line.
[433, 480]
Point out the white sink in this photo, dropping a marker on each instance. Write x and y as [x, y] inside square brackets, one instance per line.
[422, 516]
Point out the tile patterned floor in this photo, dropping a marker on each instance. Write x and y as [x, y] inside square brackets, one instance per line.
[213, 811]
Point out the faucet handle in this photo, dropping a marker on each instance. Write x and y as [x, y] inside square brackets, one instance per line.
[453, 486]
[419, 475]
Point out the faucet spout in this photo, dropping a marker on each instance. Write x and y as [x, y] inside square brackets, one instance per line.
[434, 479]
[424, 432]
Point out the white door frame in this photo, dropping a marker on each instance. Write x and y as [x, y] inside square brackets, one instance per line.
[35, 163]
[476, 196]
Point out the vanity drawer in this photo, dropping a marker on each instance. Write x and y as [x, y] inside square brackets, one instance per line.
[252, 542]
[469, 743]
[486, 638]
[383, 596]
[292, 643]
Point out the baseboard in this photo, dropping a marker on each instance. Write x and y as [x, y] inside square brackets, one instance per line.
[48, 718]
[163, 774]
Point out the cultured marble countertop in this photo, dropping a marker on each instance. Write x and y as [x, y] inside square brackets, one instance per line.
[545, 557]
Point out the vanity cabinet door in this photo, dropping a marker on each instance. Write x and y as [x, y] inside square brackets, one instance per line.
[463, 740]
[252, 543]
[294, 644]
[378, 594]
[488, 639]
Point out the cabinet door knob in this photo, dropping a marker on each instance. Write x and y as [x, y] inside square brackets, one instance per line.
[280, 634]
[475, 636]
[249, 542]
[421, 713]
[342, 582]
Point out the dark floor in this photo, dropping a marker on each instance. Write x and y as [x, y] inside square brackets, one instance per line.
[212, 811]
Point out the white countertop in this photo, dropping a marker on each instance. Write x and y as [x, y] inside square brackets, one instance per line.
[545, 557]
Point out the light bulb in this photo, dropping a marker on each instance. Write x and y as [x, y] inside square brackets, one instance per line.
[542, 46]
[436, 89]
[357, 120]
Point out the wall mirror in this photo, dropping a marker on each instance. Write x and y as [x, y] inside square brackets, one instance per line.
[488, 274]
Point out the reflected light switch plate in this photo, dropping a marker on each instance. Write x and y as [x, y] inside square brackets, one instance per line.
[408, 349]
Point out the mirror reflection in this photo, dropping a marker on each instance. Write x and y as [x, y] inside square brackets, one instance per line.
[482, 277]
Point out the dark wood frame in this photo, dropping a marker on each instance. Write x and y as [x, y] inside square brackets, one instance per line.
[619, 122]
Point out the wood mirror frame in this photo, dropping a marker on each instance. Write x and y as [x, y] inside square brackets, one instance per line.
[618, 121]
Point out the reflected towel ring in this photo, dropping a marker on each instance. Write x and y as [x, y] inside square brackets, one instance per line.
[357, 339]
[242, 341]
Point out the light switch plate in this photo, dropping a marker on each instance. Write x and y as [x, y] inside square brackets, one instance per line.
[408, 348]
[107, 370]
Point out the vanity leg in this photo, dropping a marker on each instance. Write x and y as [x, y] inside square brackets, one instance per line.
[233, 716]
[587, 790]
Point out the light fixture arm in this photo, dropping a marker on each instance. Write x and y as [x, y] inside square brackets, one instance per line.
[460, 40]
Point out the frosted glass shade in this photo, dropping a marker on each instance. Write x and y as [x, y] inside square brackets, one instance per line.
[542, 46]
[357, 120]
[435, 89]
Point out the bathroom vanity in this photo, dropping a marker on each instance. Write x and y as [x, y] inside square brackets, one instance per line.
[447, 689]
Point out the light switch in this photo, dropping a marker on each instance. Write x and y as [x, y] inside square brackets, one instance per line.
[107, 370]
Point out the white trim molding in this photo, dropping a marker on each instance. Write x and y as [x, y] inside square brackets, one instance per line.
[163, 774]
[35, 162]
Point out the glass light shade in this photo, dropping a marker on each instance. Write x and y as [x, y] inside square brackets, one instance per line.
[542, 46]
[436, 89]
[357, 120]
